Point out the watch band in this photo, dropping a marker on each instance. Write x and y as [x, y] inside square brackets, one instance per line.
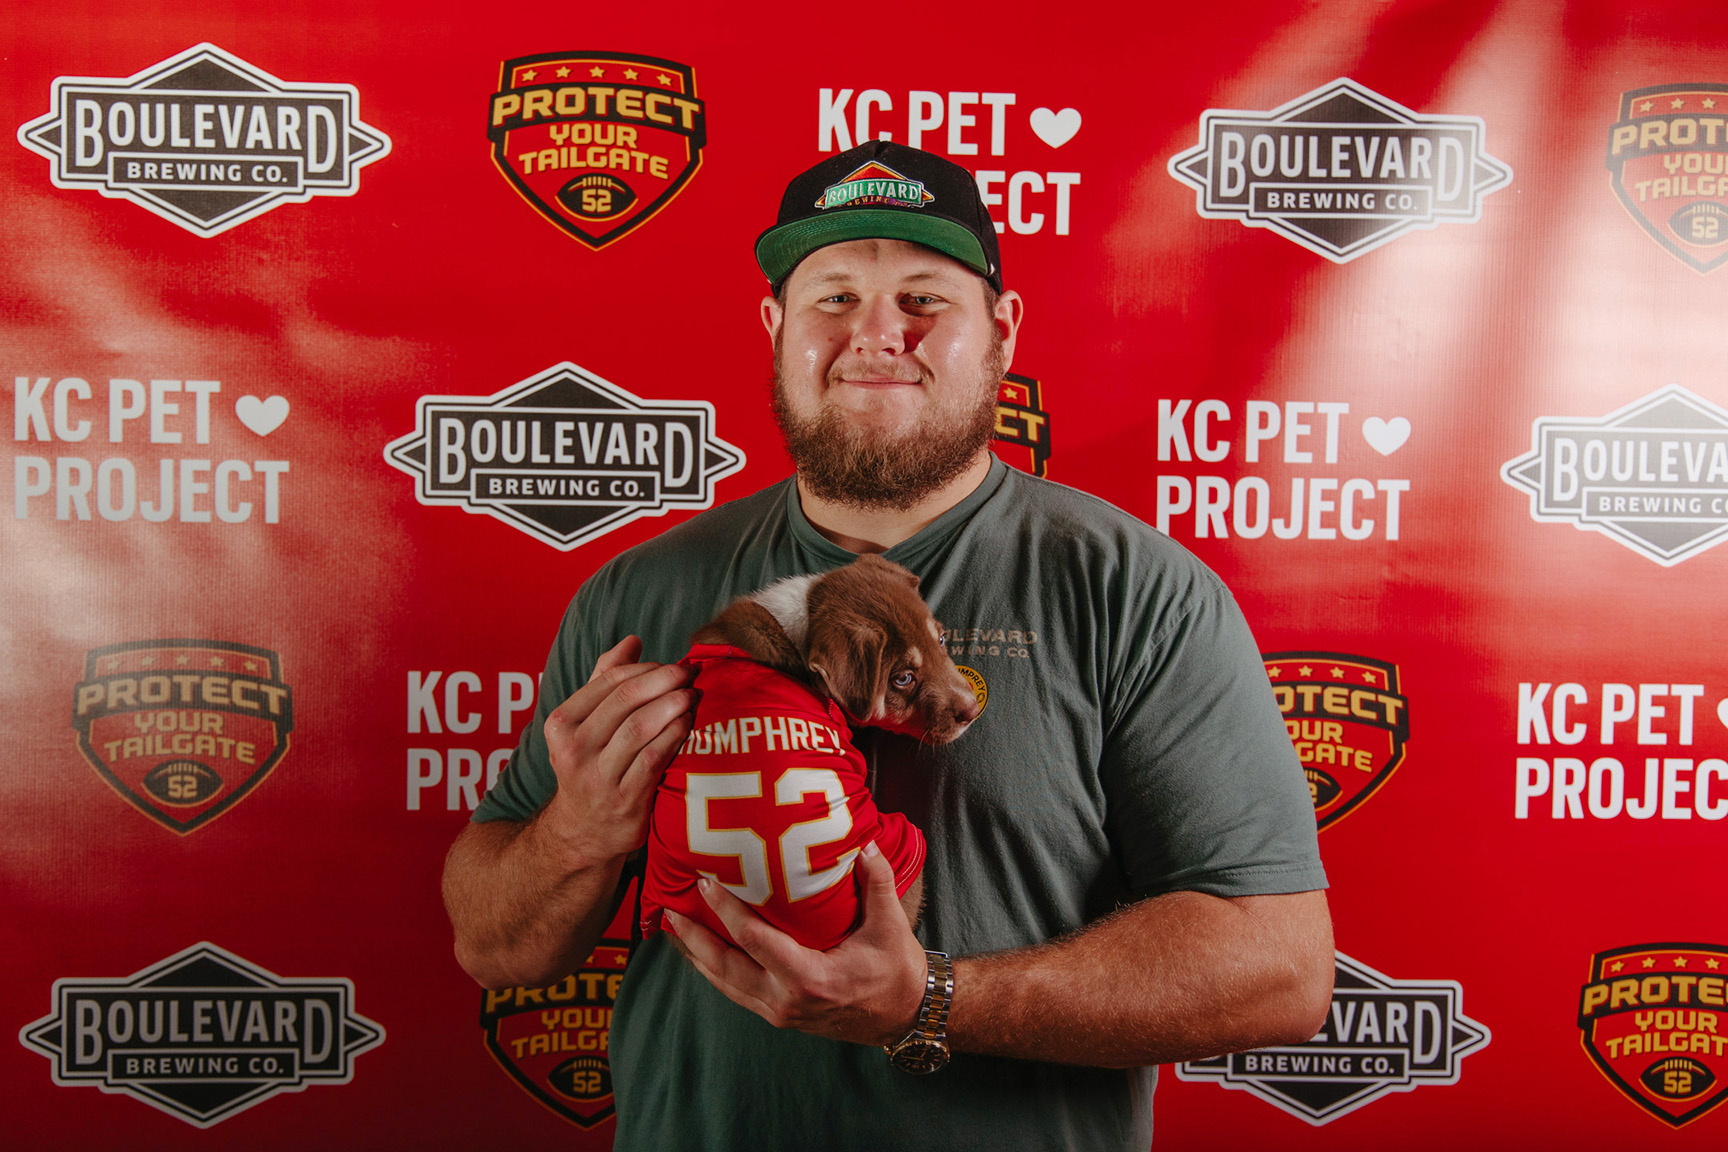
[925, 1049]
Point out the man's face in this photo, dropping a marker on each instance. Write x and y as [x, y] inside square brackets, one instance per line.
[887, 361]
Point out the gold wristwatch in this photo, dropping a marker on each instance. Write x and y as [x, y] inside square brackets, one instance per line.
[925, 1049]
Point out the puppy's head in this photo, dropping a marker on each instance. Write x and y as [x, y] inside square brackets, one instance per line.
[874, 645]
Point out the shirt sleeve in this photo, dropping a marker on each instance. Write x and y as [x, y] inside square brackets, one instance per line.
[1205, 791]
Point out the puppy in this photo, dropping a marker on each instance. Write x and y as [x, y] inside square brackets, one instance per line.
[768, 795]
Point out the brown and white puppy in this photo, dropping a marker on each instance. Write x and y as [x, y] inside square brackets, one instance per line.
[864, 637]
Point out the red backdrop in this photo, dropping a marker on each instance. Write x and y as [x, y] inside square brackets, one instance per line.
[251, 710]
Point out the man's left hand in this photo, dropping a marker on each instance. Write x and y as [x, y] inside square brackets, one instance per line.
[866, 989]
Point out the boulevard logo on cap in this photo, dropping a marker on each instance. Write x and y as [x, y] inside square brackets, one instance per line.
[875, 183]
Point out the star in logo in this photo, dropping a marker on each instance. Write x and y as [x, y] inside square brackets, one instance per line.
[215, 661]
[1337, 673]
[1274, 673]
[1649, 962]
[182, 660]
[563, 70]
[629, 73]
[596, 71]
[1304, 670]
[665, 79]
[1709, 103]
[1678, 103]
[528, 75]
[1646, 106]
[147, 661]
[1679, 961]
[1713, 963]
[1368, 677]
[1616, 966]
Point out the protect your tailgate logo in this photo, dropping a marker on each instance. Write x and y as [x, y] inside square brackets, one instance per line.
[1668, 152]
[552, 1041]
[1022, 420]
[597, 142]
[202, 1035]
[564, 455]
[183, 729]
[1340, 170]
[1348, 720]
[1652, 475]
[1655, 1022]
[1383, 1035]
[205, 139]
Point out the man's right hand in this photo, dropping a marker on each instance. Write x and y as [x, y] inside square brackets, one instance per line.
[529, 900]
[609, 744]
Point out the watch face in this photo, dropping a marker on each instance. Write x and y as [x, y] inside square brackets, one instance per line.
[919, 1056]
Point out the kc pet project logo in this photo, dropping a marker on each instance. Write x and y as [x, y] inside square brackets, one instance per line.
[597, 142]
[182, 729]
[1655, 1023]
[1348, 720]
[552, 1041]
[1667, 153]
[564, 456]
[204, 139]
[1383, 1035]
[1652, 475]
[202, 1035]
[1340, 170]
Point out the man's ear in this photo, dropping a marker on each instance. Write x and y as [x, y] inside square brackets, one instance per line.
[772, 316]
[848, 660]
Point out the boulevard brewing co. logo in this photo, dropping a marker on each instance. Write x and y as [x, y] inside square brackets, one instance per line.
[597, 142]
[1667, 152]
[182, 728]
[1383, 1035]
[1652, 475]
[564, 456]
[1348, 720]
[552, 1041]
[1340, 170]
[1021, 420]
[202, 1035]
[205, 139]
[1655, 1021]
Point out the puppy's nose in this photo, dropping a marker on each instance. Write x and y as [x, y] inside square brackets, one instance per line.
[968, 710]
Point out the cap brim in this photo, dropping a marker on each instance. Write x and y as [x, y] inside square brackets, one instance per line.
[779, 250]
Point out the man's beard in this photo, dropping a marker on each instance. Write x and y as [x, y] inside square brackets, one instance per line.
[872, 470]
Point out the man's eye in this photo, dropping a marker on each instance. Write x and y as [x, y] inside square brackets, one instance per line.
[904, 680]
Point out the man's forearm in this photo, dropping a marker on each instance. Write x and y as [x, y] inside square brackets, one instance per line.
[524, 909]
[1176, 977]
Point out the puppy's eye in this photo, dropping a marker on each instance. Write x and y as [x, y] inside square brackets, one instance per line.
[904, 680]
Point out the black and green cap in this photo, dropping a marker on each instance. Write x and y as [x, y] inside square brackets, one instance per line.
[885, 190]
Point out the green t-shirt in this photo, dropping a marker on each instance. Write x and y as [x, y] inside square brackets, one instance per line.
[1129, 746]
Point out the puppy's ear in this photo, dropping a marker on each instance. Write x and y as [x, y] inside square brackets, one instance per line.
[847, 657]
[747, 625]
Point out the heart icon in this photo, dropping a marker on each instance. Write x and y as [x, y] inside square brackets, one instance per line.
[1055, 128]
[1722, 711]
[1386, 436]
[262, 416]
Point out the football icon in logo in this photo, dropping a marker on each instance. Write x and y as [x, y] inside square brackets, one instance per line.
[596, 196]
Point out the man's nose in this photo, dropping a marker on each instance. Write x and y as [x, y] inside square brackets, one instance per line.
[880, 326]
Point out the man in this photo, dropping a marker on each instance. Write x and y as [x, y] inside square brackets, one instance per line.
[1122, 858]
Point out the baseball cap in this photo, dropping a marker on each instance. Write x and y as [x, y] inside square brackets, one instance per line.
[881, 189]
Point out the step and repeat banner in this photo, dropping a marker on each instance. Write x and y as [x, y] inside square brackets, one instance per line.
[345, 340]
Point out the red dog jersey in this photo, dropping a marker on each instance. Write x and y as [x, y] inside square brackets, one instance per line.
[767, 796]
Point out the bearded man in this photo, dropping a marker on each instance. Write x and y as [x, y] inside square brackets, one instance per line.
[1122, 868]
